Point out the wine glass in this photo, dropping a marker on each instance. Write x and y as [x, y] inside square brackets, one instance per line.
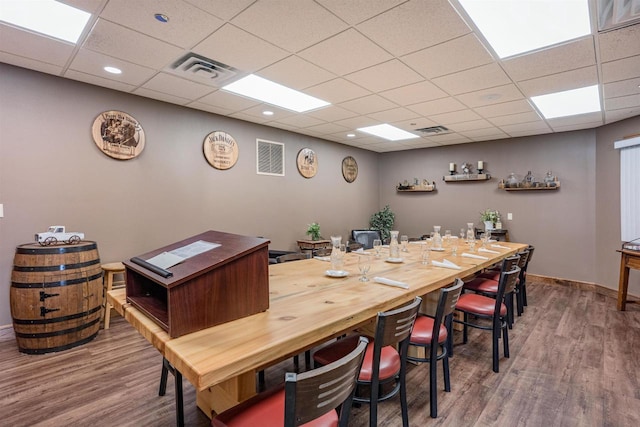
[404, 240]
[377, 244]
[364, 264]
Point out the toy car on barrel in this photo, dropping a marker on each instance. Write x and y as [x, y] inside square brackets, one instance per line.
[57, 234]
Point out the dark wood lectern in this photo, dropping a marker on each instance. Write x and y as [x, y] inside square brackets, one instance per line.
[220, 285]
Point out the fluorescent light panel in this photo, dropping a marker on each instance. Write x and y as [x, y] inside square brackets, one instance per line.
[389, 132]
[516, 26]
[568, 103]
[46, 17]
[276, 94]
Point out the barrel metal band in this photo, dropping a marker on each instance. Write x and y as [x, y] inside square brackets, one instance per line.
[57, 333]
[60, 267]
[55, 250]
[56, 349]
[55, 319]
[56, 284]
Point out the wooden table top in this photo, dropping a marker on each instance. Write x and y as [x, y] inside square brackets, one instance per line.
[306, 308]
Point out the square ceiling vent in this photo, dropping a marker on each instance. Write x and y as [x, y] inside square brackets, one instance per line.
[204, 70]
[434, 130]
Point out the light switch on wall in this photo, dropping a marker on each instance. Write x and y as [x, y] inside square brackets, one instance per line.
[509, 216]
[1, 210]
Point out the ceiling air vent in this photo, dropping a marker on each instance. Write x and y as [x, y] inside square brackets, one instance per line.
[270, 157]
[204, 70]
[434, 130]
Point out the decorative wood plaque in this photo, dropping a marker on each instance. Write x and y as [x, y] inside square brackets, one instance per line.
[118, 135]
[307, 163]
[220, 150]
[349, 169]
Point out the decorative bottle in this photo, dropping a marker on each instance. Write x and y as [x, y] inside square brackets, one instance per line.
[336, 254]
[437, 238]
[471, 233]
[394, 248]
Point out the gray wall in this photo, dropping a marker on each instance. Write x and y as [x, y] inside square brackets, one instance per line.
[51, 172]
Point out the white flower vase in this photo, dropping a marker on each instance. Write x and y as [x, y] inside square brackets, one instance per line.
[488, 225]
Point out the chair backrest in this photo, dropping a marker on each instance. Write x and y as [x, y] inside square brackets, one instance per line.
[530, 249]
[447, 303]
[396, 325]
[365, 237]
[314, 393]
[507, 284]
[509, 262]
[293, 257]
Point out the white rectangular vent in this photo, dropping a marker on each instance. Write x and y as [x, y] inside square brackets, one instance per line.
[204, 70]
[270, 157]
[434, 130]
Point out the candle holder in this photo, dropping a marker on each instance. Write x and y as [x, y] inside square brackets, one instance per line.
[452, 172]
[480, 171]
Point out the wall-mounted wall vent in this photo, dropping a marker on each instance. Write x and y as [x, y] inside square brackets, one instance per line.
[270, 157]
[434, 130]
[198, 68]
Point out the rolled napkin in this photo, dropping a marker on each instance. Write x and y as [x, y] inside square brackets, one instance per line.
[499, 247]
[361, 251]
[446, 264]
[488, 251]
[390, 282]
[322, 258]
[466, 255]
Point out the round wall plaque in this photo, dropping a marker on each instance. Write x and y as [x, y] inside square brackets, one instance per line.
[349, 169]
[220, 150]
[118, 135]
[307, 163]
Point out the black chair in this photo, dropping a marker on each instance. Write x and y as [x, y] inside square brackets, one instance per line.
[483, 307]
[365, 237]
[383, 363]
[313, 395]
[431, 335]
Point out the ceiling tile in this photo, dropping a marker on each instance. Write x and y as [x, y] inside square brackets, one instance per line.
[296, 73]
[485, 76]
[160, 96]
[30, 45]
[471, 125]
[450, 57]
[577, 126]
[90, 6]
[450, 138]
[99, 81]
[337, 90]
[301, 121]
[120, 42]
[622, 88]
[331, 113]
[306, 24]
[228, 100]
[389, 75]
[90, 62]
[394, 115]
[358, 122]
[210, 108]
[574, 79]
[345, 53]
[520, 128]
[623, 102]
[30, 64]
[443, 105]
[484, 134]
[223, 9]
[614, 116]
[278, 113]
[327, 128]
[176, 86]
[229, 45]
[490, 96]
[575, 120]
[504, 108]
[414, 93]
[454, 117]
[430, 24]
[512, 119]
[249, 117]
[414, 124]
[622, 69]
[569, 56]
[355, 11]
[368, 104]
[620, 43]
[187, 24]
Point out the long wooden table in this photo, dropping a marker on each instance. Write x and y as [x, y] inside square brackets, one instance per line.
[306, 308]
[628, 259]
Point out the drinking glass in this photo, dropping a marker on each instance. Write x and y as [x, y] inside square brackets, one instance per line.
[404, 240]
[462, 233]
[447, 237]
[364, 264]
[377, 243]
[472, 244]
[454, 247]
[426, 253]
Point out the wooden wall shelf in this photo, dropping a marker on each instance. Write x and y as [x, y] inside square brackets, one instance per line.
[557, 185]
[424, 188]
[467, 177]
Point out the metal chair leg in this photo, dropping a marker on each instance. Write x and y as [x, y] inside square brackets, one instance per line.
[177, 376]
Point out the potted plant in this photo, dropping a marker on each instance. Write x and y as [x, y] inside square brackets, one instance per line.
[314, 231]
[489, 217]
[383, 222]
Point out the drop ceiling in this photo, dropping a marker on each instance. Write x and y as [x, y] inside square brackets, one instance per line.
[413, 64]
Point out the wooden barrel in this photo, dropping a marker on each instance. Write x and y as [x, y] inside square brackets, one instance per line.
[56, 296]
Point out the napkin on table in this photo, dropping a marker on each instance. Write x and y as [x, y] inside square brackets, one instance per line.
[488, 251]
[466, 255]
[446, 264]
[390, 282]
[499, 247]
[322, 258]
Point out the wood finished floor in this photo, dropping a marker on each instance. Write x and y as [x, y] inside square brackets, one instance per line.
[575, 361]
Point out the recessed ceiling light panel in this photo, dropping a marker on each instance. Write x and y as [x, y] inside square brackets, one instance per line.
[113, 70]
[388, 132]
[276, 94]
[568, 103]
[47, 17]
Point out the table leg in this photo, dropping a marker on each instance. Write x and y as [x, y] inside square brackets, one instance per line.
[220, 397]
[624, 283]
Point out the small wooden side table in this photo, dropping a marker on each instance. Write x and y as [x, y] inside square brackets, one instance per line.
[628, 259]
[313, 245]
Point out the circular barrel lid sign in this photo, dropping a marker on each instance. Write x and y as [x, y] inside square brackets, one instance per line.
[118, 135]
[220, 150]
[307, 162]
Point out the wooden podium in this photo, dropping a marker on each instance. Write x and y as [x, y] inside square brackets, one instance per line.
[217, 286]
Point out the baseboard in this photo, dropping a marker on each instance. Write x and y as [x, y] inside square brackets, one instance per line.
[586, 286]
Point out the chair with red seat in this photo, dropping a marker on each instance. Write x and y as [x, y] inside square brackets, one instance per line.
[382, 364]
[487, 308]
[310, 398]
[430, 332]
[523, 281]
